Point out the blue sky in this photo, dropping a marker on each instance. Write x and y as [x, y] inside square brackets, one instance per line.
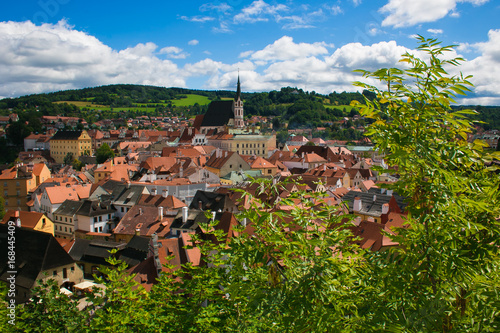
[50, 45]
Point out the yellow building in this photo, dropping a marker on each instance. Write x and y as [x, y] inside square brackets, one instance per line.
[18, 181]
[244, 143]
[31, 220]
[74, 142]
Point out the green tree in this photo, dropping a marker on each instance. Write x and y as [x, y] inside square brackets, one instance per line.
[300, 270]
[103, 153]
[68, 159]
[445, 276]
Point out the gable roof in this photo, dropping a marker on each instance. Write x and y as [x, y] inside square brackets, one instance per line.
[28, 219]
[144, 219]
[169, 202]
[68, 207]
[218, 114]
[58, 194]
[93, 251]
[212, 201]
[260, 162]
[127, 194]
[67, 135]
[35, 252]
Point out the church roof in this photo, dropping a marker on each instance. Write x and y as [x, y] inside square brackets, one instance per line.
[218, 113]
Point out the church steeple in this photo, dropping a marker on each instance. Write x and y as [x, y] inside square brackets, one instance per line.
[238, 89]
[238, 107]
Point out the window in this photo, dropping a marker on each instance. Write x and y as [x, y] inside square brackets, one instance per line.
[72, 269]
[65, 273]
[65, 219]
[96, 229]
[122, 209]
[95, 219]
[65, 229]
[100, 218]
[54, 273]
[100, 229]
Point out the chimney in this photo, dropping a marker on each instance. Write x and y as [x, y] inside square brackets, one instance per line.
[357, 204]
[374, 197]
[137, 231]
[128, 184]
[17, 218]
[384, 217]
[153, 247]
[244, 222]
[181, 172]
[225, 154]
[160, 213]
[140, 211]
[153, 191]
[184, 214]
[165, 193]
[200, 205]
[213, 216]
[389, 192]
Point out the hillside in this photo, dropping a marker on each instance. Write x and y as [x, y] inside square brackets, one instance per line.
[293, 106]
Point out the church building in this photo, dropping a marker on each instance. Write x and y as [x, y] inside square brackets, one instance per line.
[221, 115]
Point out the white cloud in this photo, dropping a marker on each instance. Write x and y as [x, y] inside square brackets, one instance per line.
[221, 7]
[405, 13]
[370, 57]
[173, 52]
[435, 31]
[199, 19]
[485, 69]
[258, 11]
[51, 57]
[285, 49]
[193, 42]
[55, 57]
[336, 10]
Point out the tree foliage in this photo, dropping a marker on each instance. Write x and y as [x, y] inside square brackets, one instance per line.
[444, 275]
[300, 270]
[103, 153]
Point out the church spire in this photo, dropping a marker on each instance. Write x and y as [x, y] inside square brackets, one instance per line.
[238, 89]
[238, 107]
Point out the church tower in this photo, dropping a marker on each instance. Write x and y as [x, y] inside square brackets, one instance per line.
[238, 107]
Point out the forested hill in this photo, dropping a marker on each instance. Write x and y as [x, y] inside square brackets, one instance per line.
[292, 105]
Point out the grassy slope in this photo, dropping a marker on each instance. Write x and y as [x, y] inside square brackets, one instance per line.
[191, 99]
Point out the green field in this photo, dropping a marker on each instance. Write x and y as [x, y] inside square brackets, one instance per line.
[84, 104]
[191, 100]
[340, 107]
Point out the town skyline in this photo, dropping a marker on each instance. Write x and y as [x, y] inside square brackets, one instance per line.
[58, 44]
